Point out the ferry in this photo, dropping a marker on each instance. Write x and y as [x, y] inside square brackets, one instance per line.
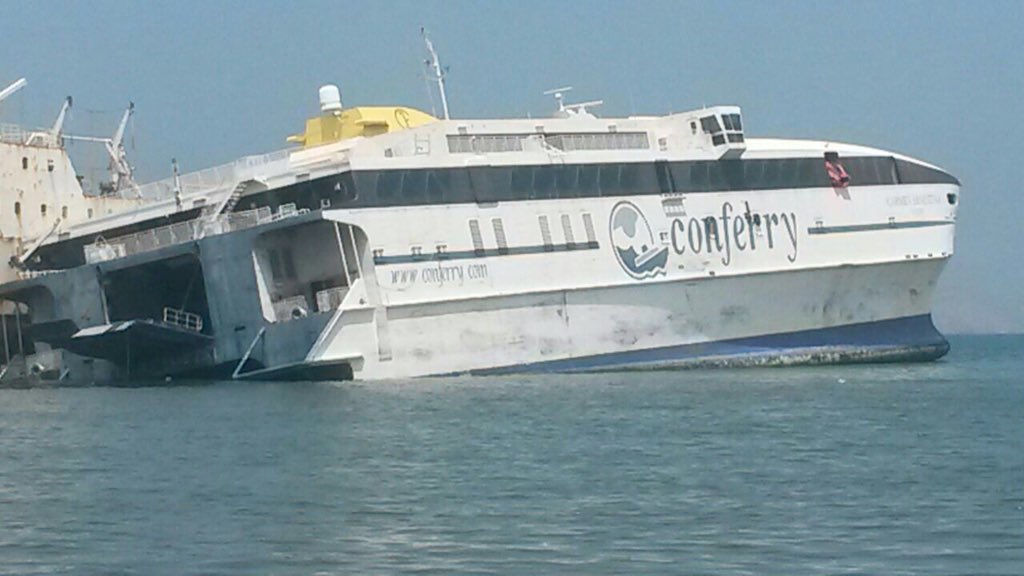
[392, 243]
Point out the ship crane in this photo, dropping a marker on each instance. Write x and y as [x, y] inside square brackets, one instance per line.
[120, 170]
[58, 124]
[14, 87]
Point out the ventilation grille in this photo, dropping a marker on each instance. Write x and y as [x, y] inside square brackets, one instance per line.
[499, 235]
[570, 242]
[545, 233]
[492, 143]
[478, 240]
[588, 226]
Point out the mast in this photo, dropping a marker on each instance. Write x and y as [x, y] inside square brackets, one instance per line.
[434, 63]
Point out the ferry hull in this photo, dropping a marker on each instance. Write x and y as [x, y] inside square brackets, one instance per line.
[872, 313]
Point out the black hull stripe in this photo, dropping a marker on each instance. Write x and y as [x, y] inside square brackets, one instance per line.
[471, 254]
[875, 227]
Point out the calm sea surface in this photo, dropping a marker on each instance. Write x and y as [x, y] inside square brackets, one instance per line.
[914, 469]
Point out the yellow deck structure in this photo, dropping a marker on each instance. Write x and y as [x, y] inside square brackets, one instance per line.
[359, 121]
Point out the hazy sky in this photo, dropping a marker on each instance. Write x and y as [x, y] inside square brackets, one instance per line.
[212, 81]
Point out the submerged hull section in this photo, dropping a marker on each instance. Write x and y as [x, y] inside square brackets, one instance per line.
[911, 339]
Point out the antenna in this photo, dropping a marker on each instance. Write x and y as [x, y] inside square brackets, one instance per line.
[559, 94]
[17, 85]
[177, 182]
[570, 110]
[434, 64]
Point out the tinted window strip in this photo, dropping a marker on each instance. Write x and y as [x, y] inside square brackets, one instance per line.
[414, 187]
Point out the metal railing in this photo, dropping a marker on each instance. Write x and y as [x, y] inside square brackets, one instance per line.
[41, 138]
[183, 319]
[217, 177]
[154, 238]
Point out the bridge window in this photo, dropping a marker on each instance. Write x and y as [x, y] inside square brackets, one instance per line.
[710, 125]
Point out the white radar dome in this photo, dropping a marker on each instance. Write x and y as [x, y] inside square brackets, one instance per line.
[330, 98]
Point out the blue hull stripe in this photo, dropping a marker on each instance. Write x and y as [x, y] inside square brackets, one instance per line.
[912, 338]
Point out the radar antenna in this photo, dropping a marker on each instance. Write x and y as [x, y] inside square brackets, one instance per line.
[433, 64]
[559, 94]
[570, 110]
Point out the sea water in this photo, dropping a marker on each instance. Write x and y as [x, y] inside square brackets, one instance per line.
[886, 469]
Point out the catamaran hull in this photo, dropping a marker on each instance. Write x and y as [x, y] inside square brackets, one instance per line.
[868, 313]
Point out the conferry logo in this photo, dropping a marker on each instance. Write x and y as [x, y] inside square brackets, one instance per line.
[633, 242]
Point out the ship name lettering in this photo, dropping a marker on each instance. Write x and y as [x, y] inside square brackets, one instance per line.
[731, 231]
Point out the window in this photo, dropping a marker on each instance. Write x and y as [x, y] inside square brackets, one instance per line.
[42, 210]
[732, 122]
[64, 212]
[24, 162]
[699, 176]
[629, 177]
[565, 181]
[913, 173]
[733, 174]
[522, 181]
[414, 186]
[587, 181]
[543, 182]
[710, 125]
[609, 179]
[664, 176]
[389, 183]
[437, 183]
[17, 208]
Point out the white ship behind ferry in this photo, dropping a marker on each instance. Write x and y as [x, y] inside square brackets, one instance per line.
[395, 244]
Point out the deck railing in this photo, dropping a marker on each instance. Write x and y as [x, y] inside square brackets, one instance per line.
[217, 177]
[183, 319]
[155, 238]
